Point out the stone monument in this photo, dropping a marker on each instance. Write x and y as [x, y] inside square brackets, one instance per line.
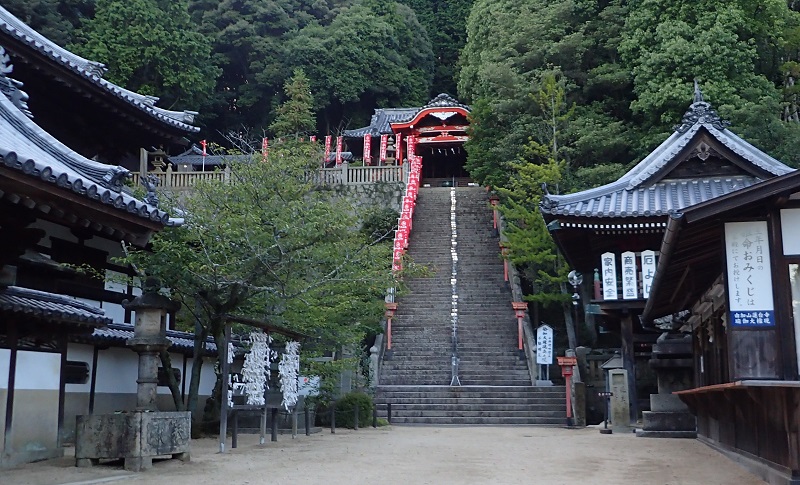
[140, 435]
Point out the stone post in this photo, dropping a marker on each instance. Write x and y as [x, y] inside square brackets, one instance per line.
[149, 339]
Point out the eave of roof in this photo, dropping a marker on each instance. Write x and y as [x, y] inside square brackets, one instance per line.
[26, 147]
[117, 334]
[92, 72]
[52, 307]
[601, 201]
[685, 226]
[381, 122]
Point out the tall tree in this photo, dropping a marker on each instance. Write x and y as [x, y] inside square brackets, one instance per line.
[272, 245]
[150, 46]
[295, 116]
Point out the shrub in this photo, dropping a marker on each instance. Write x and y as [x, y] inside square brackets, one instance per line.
[346, 406]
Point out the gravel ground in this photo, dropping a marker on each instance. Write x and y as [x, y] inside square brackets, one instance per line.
[421, 455]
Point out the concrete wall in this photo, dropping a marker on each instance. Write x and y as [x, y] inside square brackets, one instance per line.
[34, 422]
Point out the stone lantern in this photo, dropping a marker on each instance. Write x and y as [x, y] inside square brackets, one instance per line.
[145, 433]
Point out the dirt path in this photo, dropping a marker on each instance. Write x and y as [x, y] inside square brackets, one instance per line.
[423, 455]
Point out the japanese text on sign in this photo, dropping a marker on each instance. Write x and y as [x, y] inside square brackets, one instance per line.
[544, 345]
[629, 287]
[609, 276]
[749, 275]
[648, 271]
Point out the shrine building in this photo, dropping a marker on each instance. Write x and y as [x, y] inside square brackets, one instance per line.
[436, 132]
[616, 234]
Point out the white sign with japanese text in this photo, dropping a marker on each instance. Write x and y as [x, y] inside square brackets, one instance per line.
[749, 275]
[544, 345]
[630, 290]
[648, 271]
[608, 267]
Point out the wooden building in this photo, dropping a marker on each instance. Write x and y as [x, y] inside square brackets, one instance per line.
[731, 267]
[613, 233]
[64, 207]
[436, 132]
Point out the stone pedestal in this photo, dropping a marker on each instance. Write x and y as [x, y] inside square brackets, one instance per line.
[620, 400]
[669, 417]
[137, 437]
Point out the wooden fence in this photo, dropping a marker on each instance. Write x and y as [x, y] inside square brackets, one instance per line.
[341, 175]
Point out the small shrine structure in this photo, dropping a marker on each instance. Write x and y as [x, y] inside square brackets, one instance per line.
[436, 132]
[731, 267]
[615, 232]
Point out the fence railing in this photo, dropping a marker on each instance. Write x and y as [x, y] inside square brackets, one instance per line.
[173, 180]
[341, 175]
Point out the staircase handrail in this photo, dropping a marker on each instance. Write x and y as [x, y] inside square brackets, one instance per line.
[528, 337]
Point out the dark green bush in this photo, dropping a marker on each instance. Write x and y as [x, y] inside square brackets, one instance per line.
[379, 224]
[346, 406]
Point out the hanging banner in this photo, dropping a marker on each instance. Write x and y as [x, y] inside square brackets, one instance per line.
[367, 149]
[384, 146]
[630, 289]
[399, 144]
[412, 141]
[312, 138]
[265, 148]
[338, 150]
[544, 345]
[648, 271]
[749, 275]
[327, 150]
[608, 266]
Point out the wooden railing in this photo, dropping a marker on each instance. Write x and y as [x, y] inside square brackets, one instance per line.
[347, 175]
[341, 175]
[172, 180]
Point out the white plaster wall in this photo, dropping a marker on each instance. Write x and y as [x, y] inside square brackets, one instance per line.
[37, 371]
[5, 365]
[117, 371]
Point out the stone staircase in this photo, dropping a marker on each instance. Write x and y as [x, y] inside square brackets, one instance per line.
[416, 375]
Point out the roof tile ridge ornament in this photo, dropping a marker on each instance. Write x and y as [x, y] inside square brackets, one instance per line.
[700, 111]
[10, 87]
[150, 183]
[444, 100]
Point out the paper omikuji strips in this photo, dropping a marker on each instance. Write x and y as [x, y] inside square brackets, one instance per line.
[289, 369]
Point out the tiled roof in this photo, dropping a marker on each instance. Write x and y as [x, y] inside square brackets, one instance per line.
[381, 121]
[92, 71]
[119, 333]
[26, 147]
[48, 306]
[643, 192]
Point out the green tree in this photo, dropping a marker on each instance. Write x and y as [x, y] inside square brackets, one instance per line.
[151, 47]
[274, 246]
[296, 115]
[54, 19]
[530, 246]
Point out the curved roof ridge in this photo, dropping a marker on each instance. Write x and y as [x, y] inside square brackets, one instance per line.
[26, 147]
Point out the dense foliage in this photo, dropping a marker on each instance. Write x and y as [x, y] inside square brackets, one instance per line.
[273, 245]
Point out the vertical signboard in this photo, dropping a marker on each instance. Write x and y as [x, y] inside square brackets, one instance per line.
[648, 271]
[327, 150]
[367, 149]
[630, 290]
[544, 345]
[339, 150]
[608, 266]
[384, 147]
[749, 274]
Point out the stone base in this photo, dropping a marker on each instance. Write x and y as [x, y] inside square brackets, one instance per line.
[137, 437]
[662, 422]
[667, 403]
[640, 433]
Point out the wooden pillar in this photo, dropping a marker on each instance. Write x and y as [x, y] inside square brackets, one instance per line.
[628, 362]
[93, 385]
[62, 386]
[12, 373]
